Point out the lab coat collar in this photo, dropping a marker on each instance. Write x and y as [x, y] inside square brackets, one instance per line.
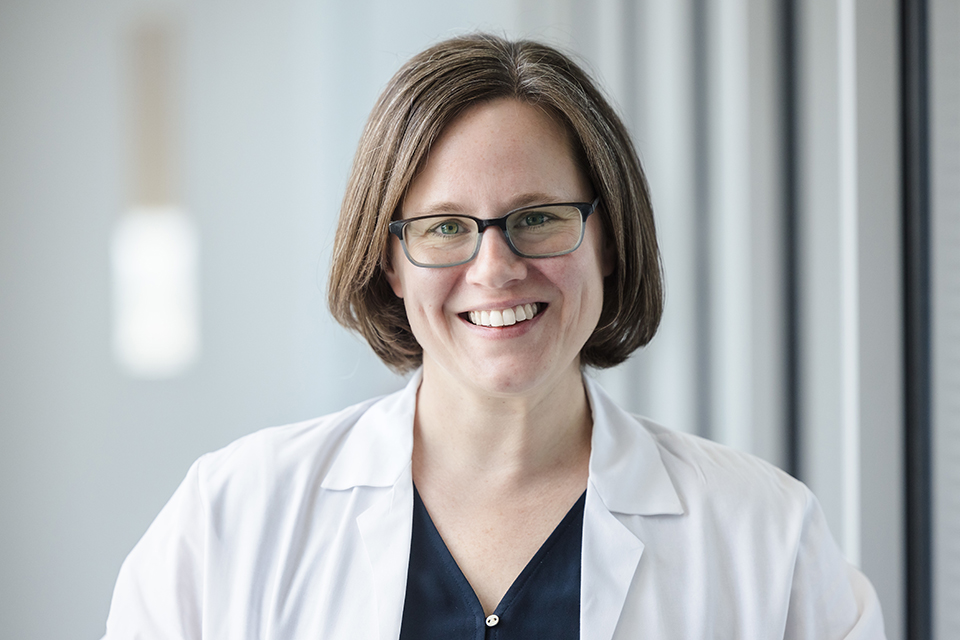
[625, 465]
[379, 447]
[377, 454]
[627, 479]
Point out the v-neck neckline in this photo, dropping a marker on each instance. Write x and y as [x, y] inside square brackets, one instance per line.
[575, 513]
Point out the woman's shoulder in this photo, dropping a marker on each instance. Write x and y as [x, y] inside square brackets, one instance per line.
[708, 456]
[635, 456]
[710, 475]
[365, 444]
[274, 454]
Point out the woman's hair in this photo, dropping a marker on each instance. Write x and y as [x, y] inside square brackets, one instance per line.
[424, 96]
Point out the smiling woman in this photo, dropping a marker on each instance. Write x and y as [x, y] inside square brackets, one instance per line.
[426, 96]
[492, 158]
[496, 237]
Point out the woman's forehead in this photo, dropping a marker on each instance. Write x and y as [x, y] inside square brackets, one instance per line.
[505, 153]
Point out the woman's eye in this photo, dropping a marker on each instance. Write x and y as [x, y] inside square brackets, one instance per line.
[448, 228]
[534, 219]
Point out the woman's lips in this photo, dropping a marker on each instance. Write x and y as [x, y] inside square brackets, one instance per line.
[504, 317]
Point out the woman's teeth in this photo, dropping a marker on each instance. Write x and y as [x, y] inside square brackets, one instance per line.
[504, 317]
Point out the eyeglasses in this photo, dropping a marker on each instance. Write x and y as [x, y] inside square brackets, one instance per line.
[541, 231]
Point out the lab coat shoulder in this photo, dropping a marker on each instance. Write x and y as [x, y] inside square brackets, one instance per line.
[234, 540]
[752, 547]
[274, 459]
[722, 489]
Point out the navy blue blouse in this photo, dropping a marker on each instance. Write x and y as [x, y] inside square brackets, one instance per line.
[543, 602]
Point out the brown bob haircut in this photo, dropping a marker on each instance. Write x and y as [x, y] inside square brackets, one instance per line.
[424, 96]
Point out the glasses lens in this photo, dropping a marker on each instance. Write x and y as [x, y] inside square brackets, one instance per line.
[440, 240]
[546, 231]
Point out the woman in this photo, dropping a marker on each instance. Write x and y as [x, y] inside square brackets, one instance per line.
[496, 237]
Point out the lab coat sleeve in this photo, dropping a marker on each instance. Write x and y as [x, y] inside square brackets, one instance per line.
[159, 592]
[829, 598]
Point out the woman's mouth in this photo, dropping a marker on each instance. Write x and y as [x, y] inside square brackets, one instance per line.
[505, 317]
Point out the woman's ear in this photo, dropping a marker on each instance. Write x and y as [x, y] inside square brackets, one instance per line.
[608, 254]
[388, 270]
[607, 259]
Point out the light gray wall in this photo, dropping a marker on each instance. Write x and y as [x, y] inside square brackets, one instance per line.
[880, 295]
[851, 331]
[945, 310]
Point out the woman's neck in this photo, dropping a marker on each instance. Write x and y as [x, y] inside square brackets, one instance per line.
[473, 437]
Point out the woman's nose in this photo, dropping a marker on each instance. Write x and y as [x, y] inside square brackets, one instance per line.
[496, 264]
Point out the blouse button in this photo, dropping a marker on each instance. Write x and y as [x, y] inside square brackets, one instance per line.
[492, 620]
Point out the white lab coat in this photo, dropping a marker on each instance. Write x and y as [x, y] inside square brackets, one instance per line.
[304, 531]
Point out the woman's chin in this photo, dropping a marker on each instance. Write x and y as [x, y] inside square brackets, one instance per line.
[507, 376]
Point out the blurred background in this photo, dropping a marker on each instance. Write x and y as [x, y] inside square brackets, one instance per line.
[170, 178]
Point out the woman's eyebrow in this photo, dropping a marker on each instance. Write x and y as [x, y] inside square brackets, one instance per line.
[439, 208]
[516, 202]
[534, 198]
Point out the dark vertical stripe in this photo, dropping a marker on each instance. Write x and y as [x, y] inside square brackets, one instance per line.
[916, 304]
[701, 218]
[789, 60]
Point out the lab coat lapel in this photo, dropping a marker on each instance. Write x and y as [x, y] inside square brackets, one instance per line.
[609, 559]
[386, 529]
[376, 460]
[627, 479]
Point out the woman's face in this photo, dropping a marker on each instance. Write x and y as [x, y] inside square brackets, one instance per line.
[492, 159]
